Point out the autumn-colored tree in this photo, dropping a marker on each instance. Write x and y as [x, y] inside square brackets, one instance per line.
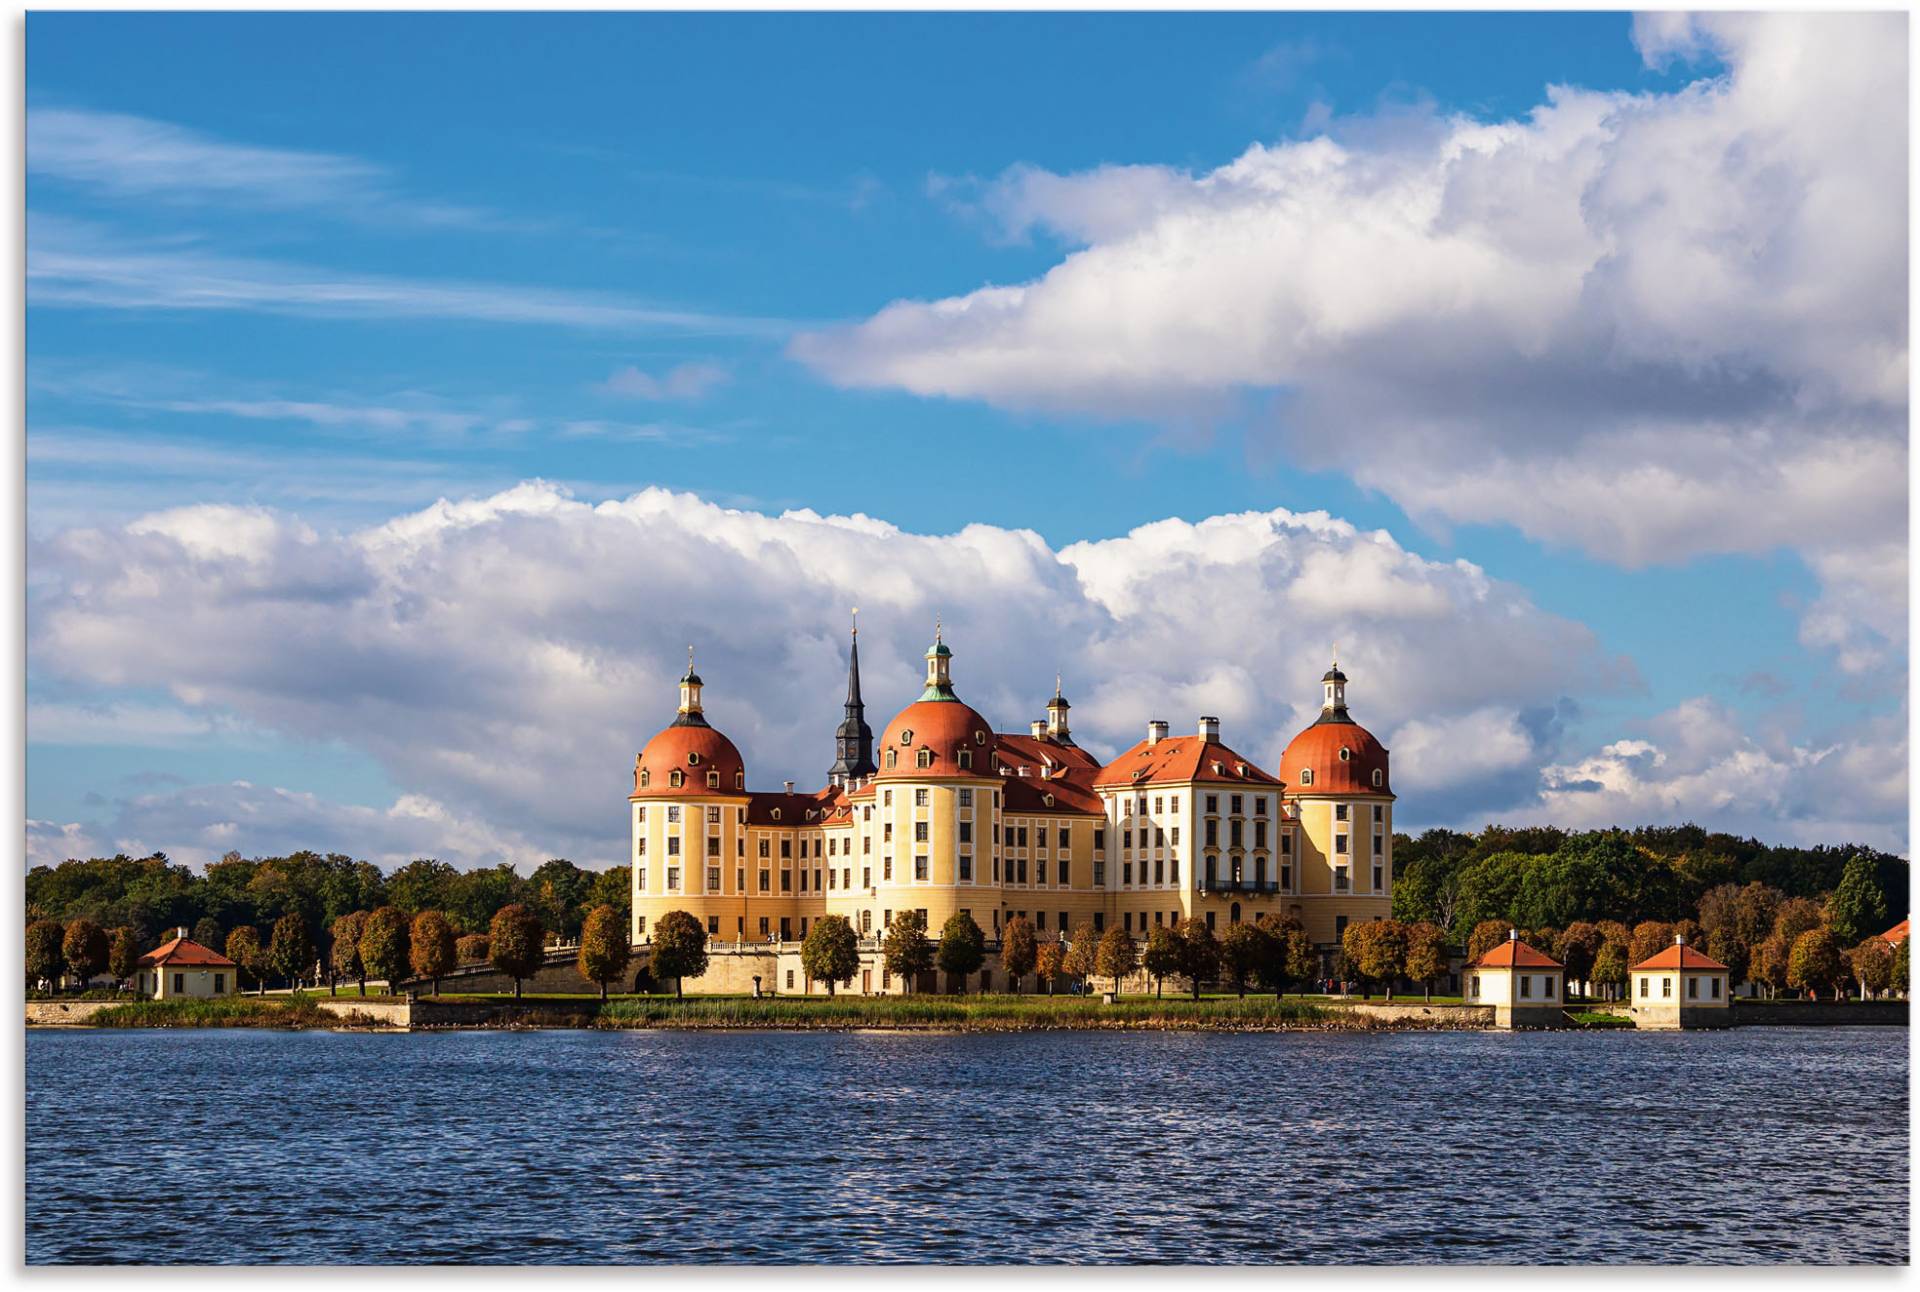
[84, 949]
[1017, 950]
[1814, 963]
[606, 947]
[471, 949]
[1426, 957]
[44, 955]
[1117, 956]
[1379, 951]
[123, 955]
[1798, 915]
[1691, 930]
[1724, 945]
[1650, 937]
[1288, 958]
[962, 950]
[1243, 948]
[1082, 948]
[431, 950]
[1857, 909]
[1900, 959]
[245, 950]
[1767, 964]
[1161, 956]
[516, 942]
[1486, 935]
[1871, 964]
[1610, 968]
[1199, 952]
[290, 954]
[1048, 961]
[906, 951]
[831, 952]
[385, 943]
[1576, 947]
[345, 960]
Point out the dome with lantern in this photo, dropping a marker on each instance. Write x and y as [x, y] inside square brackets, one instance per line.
[1336, 755]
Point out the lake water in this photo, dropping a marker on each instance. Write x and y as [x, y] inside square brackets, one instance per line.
[1757, 1145]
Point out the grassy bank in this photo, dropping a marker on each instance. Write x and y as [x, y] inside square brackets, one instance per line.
[980, 1013]
[291, 1012]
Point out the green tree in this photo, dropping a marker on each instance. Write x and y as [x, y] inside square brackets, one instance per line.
[85, 950]
[1161, 956]
[906, 951]
[558, 891]
[345, 961]
[1048, 962]
[1857, 910]
[385, 945]
[1017, 950]
[831, 951]
[1577, 947]
[474, 897]
[963, 948]
[1199, 952]
[1288, 959]
[208, 933]
[516, 942]
[244, 949]
[431, 952]
[605, 946]
[291, 951]
[1815, 962]
[1117, 956]
[1426, 954]
[1724, 945]
[421, 885]
[123, 955]
[1082, 947]
[1871, 964]
[1900, 975]
[613, 887]
[44, 955]
[1243, 949]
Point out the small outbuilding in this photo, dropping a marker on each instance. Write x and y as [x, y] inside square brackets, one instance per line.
[1680, 987]
[1526, 987]
[182, 967]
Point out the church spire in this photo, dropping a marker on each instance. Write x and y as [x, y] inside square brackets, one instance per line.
[853, 740]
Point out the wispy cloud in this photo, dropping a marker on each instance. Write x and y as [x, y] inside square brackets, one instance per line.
[682, 382]
[123, 156]
[74, 264]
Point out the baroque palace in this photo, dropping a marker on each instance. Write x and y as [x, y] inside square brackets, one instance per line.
[945, 814]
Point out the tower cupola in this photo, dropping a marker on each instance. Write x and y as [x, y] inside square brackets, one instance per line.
[690, 713]
[1057, 707]
[939, 669]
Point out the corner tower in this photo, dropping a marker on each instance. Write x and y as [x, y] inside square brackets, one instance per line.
[853, 741]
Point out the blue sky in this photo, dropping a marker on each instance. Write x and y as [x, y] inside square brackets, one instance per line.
[434, 256]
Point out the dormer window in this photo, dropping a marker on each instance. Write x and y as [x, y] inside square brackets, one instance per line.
[646, 778]
[739, 780]
[979, 737]
[1377, 778]
[1346, 755]
[1219, 769]
[924, 758]
[1306, 775]
[693, 760]
[776, 814]
[906, 737]
[893, 757]
[1240, 768]
[713, 780]
[966, 758]
[676, 779]
[1047, 799]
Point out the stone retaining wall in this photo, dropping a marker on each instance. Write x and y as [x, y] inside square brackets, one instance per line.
[387, 1013]
[1820, 1013]
[1456, 1016]
[65, 1013]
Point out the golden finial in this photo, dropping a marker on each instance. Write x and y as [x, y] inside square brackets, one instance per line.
[1056, 686]
[856, 621]
[936, 628]
[689, 657]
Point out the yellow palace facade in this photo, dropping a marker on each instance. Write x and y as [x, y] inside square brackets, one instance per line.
[943, 814]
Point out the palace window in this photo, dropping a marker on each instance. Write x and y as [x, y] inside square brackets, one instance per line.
[966, 868]
[1340, 844]
[713, 845]
[639, 924]
[1339, 811]
[713, 780]
[1099, 874]
[1306, 775]
[786, 881]
[1379, 879]
[673, 815]
[1346, 755]
[673, 879]
[766, 881]
[640, 846]
[965, 759]
[673, 845]
[713, 879]
[646, 779]
[1099, 840]
[924, 758]
[886, 868]
[1066, 873]
[675, 779]
[740, 783]
[966, 832]
[1526, 979]
[886, 831]
[906, 737]
[786, 849]
[1341, 882]
[892, 758]
[640, 879]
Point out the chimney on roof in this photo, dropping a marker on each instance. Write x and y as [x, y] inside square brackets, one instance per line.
[1513, 935]
[1156, 731]
[789, 785]
[1679, 939]
[1209, 727]
[180, 933]
[1038, 727]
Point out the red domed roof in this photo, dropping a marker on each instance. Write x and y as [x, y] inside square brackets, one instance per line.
[1319, 749]
[946, 727]
[693, 749]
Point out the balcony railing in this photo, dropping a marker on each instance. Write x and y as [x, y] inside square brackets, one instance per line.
[1210, 884]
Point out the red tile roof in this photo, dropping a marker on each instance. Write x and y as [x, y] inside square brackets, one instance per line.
[1177, 759]
[1318, 749]
[185, 953]
[1515, 954]
[668, 752]
[822, 807]
[1069, 795]
[1680, 956]
[946, 728]
[1896, 935]
[1016, 751]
